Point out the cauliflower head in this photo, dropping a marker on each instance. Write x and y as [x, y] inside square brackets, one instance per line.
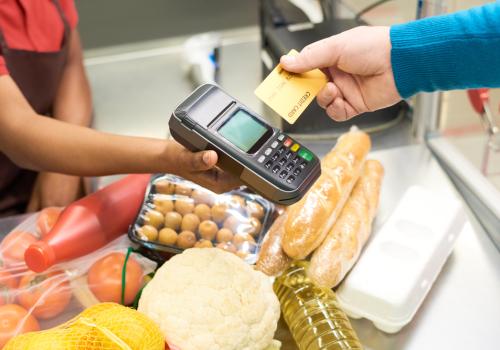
[211, 299]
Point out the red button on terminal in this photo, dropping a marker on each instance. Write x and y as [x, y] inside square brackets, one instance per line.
[288, 142]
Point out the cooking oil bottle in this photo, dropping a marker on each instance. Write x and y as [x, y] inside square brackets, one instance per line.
[312, 313]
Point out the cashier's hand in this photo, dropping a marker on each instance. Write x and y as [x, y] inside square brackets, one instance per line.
[199, 167]
[358, 65]
[54, 190]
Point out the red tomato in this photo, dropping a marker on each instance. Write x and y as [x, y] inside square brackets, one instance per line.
[7, 284]
[105, 278]
[10, 317]
[48, 293]
[14, 245]
[47, 219]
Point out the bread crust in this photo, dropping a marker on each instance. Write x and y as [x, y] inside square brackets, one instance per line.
[341, 248]
[309, 220]
[272, 259]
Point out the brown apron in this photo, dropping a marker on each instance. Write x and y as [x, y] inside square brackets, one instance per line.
[37, 74]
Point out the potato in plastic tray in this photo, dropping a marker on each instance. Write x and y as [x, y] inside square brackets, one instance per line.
[178, 214]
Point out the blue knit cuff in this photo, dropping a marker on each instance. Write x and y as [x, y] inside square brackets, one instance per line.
[456, 51]
[416, 65]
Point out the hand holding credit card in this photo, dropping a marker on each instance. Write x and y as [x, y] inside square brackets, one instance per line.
[289, 94]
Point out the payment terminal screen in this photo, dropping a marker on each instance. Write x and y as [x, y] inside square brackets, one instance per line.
[243, 130]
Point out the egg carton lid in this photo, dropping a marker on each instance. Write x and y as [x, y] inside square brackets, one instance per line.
[403, 259]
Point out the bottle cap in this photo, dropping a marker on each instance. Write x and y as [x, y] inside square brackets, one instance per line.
[39, 256]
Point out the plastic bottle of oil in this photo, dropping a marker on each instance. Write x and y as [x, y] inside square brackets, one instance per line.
[312, 313]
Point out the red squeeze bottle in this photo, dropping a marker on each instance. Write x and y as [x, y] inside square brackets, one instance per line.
[89, 223]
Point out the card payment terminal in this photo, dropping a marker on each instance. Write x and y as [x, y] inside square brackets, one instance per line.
[265, 159]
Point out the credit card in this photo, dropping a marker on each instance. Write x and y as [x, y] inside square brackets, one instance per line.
[288, 94]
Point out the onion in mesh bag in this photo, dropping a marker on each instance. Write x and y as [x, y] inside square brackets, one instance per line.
[105, 326]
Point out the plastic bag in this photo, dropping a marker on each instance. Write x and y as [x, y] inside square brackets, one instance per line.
[89, 223]
[31, 301]
[178, 214]
[36, 226]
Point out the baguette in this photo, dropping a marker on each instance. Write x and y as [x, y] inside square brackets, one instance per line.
[272, 259]
[310, 219]
[342, 246]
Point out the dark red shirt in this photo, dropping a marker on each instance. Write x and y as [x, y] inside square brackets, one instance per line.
[34, 25]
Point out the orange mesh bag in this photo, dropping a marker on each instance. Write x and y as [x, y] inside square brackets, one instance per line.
[105, 326]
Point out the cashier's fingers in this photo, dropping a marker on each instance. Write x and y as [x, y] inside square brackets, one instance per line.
[196, 161]
[327, 95]
[34, 202]
[217, 180]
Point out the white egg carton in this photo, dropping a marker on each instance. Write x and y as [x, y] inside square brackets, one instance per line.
[401, 262]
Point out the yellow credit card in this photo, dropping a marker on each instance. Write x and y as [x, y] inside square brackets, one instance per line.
[288, 94]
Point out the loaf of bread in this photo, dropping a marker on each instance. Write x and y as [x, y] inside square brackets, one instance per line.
[272, 259]
[342, 246]
[309, 220]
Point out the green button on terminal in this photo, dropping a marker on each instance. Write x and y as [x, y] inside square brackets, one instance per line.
[305, 154]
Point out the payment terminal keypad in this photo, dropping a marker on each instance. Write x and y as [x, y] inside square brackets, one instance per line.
[265, 159]
[285, 159]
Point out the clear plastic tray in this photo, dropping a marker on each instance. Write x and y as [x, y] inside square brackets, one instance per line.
[178, 214]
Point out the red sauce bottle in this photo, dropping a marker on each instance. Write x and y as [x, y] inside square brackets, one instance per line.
[89, 223]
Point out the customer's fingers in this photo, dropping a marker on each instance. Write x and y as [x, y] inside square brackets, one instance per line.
[320, 54]
[327, 95]
[341, 110]
[350, 89]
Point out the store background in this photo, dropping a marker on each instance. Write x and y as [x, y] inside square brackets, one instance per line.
[117, 22]
[135, 62]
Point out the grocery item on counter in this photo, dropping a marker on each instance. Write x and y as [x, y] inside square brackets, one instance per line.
[104, 326]
[46, 295]
[105, 278]
[33, 299]
[272, 259]
[36, 226]
[14, 319]
[312, 313]
[275, 345]
[178, 214]
[402, 261]
[89, 223]
[14, 245]
[47, 219]
[339, 251]
[309, 220]
[8, 283]
[210, 299]
[55, 296]
[108, 272]
[82, 292]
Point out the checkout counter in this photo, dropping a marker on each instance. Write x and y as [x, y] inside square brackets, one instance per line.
[462, 309]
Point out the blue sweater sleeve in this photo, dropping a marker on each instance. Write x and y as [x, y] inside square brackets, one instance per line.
[455, 51]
